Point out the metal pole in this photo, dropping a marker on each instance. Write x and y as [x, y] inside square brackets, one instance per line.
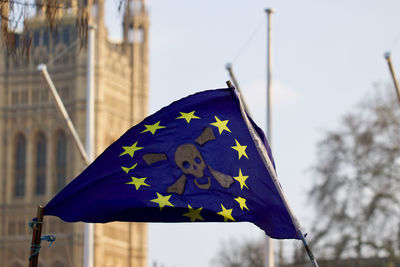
[233, 77]
[269, 260]
[271, 170]
[392, 72]
[308, 249]
[269, 12]
[88, 252]
[59, 104]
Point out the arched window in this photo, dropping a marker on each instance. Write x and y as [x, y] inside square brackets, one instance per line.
[40, 164]
[61, 160]
[20, 166]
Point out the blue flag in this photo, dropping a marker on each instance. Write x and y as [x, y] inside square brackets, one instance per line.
[200, 159]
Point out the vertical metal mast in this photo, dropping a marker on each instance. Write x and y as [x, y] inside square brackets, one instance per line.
[88, 252]
[269, 11]
[269, 245]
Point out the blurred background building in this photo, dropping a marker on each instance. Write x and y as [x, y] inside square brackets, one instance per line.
[38, 157]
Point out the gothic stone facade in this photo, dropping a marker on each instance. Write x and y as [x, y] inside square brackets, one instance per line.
[38, 156]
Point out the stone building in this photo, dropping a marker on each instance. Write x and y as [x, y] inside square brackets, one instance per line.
[38, 156]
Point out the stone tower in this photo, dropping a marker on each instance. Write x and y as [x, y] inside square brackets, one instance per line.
[38, 156]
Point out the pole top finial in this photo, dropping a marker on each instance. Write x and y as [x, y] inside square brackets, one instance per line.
[41, 67]
[270, 10]
[387, 55]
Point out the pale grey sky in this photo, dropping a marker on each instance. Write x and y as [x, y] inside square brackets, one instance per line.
[327, 55]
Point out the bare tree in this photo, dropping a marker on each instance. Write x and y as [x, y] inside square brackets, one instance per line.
[356, 191]
[246, 253]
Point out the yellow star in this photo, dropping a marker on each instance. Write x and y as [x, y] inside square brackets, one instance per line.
[241, 179]
[240, 149]
[153, 128]
[227, 214]
[138, 182]
[194, 214]
[242, 202]
[162, 201]
[130, 149]
[188, 116]
[126, 169]
[221, 125]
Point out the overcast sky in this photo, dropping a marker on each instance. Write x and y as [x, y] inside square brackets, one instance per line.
[327, 57]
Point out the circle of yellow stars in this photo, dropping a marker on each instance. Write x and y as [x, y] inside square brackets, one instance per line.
[164, 200]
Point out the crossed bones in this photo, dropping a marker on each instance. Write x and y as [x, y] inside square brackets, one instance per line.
[189, 159]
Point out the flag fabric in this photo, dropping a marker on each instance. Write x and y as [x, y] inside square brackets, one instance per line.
[200, 159]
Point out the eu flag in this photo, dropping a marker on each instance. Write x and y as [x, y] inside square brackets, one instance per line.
[200, 159]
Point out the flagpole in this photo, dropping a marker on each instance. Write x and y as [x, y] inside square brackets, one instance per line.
[88, 251]
[393, 74]
[232, 75]
[268, 164]
[229, 83]
[269, 260]
[269, 12]
[307, 248]
[61, 108]
[36, 237]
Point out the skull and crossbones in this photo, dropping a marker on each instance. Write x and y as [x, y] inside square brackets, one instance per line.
[189, 159]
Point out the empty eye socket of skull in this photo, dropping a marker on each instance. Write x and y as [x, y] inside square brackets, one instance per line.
[186, 164]
[189, 159]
